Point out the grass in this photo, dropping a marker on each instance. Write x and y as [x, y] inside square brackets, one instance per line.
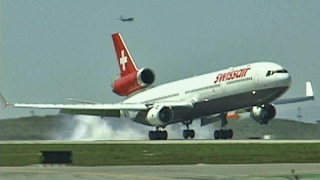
[155, 154]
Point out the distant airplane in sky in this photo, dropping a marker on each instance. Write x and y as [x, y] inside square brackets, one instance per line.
[126, 19]
[252, 88]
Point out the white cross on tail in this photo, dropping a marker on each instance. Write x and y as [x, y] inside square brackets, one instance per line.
[123, 60]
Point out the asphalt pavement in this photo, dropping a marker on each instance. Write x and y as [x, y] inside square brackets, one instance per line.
[170, 172]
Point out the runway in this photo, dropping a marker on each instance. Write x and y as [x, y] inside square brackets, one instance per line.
[164, 142]
[169, 172]
[185, 172]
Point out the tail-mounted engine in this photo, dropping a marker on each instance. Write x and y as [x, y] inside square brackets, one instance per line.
[160, 115]
[263, 114]
[133, 82]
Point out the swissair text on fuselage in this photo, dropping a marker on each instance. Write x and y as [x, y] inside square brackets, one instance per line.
[234, 74]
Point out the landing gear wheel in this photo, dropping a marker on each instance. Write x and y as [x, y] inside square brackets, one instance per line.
[151, 135]
[229, 134]
[158, 135]
[223, 134]
[188, 134]
[163, 135]
[185, 134]
[191, 134]
[216, 134]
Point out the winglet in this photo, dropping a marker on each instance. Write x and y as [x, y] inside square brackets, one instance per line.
[4, 102]
[309, 90]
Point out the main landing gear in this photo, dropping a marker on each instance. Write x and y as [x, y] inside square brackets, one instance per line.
[223, 133]
[188, 133]
[158, 135]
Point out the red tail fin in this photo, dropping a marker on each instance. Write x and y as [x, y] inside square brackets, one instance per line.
[125, 61]
[132, 79]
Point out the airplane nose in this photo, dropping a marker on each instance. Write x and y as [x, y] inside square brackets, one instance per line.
[287, 80]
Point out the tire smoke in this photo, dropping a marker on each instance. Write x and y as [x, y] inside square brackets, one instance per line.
[95, 128]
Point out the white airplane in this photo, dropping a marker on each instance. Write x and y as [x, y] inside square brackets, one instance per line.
[252, 88]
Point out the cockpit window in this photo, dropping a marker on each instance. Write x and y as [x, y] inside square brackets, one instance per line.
[269, 73]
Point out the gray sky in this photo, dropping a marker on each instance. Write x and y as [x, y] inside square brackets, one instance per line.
[52, 50]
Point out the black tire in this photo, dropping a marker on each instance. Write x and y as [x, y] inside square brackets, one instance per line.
[216, 134]
[185, 134]
[151, 135]
[191, 134]
[158, 135]
[222, 134]
[229, 134]
[163, 135]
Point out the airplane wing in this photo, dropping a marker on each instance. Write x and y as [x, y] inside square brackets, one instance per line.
[97, 109]
[309, 96]
[111, 110]
[173, 104]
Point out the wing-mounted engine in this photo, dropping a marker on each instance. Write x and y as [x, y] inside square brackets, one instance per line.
[263, 114]
[133, 82]
[159, 115]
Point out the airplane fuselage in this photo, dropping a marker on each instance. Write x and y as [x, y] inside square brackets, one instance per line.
[226, 90]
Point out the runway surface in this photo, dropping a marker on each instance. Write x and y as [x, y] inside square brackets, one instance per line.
[185, 172]
[163, 142]
[181, 172]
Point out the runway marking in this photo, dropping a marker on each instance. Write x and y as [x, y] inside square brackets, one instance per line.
[82, 173]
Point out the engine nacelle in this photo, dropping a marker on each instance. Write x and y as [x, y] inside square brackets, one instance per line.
[263, 114]
[135, 81]
[158, 116]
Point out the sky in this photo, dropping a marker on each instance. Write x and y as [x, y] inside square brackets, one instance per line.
[53, 50]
